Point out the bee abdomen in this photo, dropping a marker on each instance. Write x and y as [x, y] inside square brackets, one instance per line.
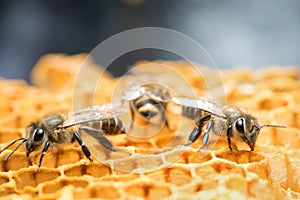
[192, 113]
[147, 107]
[112, 126]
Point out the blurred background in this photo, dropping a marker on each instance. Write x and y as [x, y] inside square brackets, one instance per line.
[254, 33]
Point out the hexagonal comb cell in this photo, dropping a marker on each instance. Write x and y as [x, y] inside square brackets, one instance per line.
[32, 178]
[149, 191]
[15, 162]
[241, 157]
[57, 185]
[92, 169]
[3, 179]
[148, 171]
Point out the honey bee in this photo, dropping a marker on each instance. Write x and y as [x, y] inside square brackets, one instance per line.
[95, 121]
[232, 122]
[147, 103]
[151, 100]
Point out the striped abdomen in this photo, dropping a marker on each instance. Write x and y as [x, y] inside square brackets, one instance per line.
[193, 113]
[110, 126]
[148, 107]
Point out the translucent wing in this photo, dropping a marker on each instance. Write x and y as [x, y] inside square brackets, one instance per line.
[203, 104]
[93, 113]
[158, 92]
[154, 91]
[133, 91]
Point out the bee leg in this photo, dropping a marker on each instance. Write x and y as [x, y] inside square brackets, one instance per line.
[206, 135]
[45, 149]
[97, 134]
[228, 134]
[84, 148]
[195, 134]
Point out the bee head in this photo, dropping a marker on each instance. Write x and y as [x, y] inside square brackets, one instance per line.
[35, 137]
[248, 128]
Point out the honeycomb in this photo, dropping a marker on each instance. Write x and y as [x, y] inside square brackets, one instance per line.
[271, 171]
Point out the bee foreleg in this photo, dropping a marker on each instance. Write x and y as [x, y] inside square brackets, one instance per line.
[84, 148]
[206, 135]
[45, 149]
[195, 134]
[98, 134]
[228, 134]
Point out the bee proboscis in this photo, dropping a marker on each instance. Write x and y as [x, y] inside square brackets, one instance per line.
[95, 121]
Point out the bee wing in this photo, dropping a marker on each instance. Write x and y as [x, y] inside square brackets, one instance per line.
[158, 92]
[99, 146]
[132, 92]
[93, 113]
[203, 104]
[154, 91]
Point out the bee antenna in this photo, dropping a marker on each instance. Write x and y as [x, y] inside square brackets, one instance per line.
[258, 127]
[13, 151]
[271, 125]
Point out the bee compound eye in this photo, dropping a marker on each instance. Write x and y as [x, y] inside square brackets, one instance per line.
[239, 125]
[38, 135]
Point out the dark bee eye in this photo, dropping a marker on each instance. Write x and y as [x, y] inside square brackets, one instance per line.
[38, 135]
[239, 125]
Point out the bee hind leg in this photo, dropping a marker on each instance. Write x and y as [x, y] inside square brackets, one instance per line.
[195, 134]
[206, 135]
[84, 148]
